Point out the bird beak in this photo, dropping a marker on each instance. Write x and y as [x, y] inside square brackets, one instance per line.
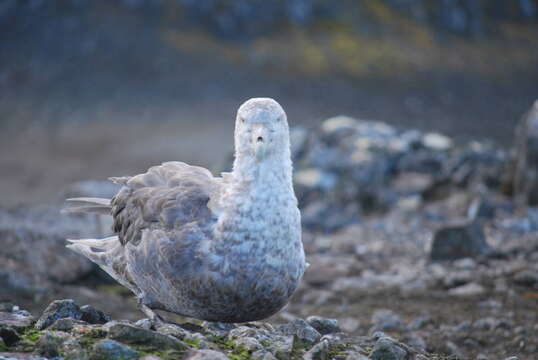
[260, 139]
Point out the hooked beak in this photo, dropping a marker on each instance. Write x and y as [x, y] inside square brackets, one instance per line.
[260, 140]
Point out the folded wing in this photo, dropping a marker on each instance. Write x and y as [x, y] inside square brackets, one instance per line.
[166, 197]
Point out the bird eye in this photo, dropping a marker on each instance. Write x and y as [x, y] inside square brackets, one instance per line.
[243, 120]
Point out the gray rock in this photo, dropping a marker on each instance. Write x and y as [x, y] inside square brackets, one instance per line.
[8, 334]
[313, 178]
[349, 324]
[206, 355]
[249, 343]
[355, 355]
[145, 324]
[218, 329]
[301, 330]
[465, 264]
[459, 241]
[464, 326]
[172, 330]
[262, 355]
[436, 141]
[282, 347]
[323, 325]
[320, 351]
[324, 216]
[133, 335]
[43, 230]
[420, 322]
[113, 350]
[386, 349]
[50, 342]
[298, 140]
[481, 209]
[17, 319]
[491, 323]
[93, 316]
[457, 278]
[6, 307]
[453, 349]
[415, 341]
[526, 278]
[386, 320]
[71, 349]
[58, 309]
[66, 324]
[470, 289]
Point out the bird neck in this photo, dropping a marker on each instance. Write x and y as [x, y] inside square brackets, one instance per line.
[276, 169]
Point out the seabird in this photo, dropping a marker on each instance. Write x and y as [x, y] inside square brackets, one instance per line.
[223, 249]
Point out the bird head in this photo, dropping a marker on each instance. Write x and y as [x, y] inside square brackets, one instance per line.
[261, 129]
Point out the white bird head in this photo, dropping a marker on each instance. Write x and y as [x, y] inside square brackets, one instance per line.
[261, 130]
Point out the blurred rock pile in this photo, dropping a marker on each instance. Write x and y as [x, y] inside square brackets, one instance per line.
[33, 255]
[350, 167]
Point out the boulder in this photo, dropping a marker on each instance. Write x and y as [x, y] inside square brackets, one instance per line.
[133, 335]
[387, 349]
[33, 251]
[113, 350]
[466, 240]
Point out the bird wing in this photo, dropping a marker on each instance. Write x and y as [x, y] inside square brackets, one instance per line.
[166, 197]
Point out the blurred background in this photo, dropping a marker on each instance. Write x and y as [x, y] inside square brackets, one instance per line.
[109, 87]
[92, 89]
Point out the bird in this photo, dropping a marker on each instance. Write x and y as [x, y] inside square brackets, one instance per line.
[222, 248]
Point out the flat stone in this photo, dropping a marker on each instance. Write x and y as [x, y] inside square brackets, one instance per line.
[206, 355]
[19, 320]
[249, 343]
[131, 334]
[465, 240]
[172, 330]
[112, 350]
[323, 325]
[302, 330]
[93, 316]
[387, 349]
[144, 323]
[470, 289]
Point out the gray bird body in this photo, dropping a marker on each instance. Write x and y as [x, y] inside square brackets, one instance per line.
[222, 249]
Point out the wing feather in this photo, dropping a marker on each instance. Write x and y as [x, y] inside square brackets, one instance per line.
[165, 197]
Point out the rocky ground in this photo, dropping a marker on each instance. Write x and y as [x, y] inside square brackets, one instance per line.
[417, 251]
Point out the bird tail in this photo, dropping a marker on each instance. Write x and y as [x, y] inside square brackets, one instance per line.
[108, 254]
[88, 205]
[97, 250]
